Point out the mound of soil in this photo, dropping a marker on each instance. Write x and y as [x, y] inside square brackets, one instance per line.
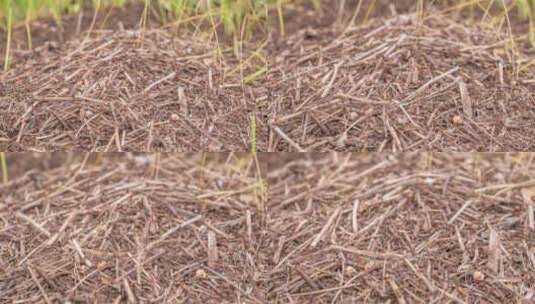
[123, 91]
[402, 84]
[129, 230]
[331, 228]
[414, 228]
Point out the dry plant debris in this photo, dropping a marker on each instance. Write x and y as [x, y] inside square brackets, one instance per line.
[123, 91]
[331, 228]
[408, 228]
[402, 84]
[137, 230]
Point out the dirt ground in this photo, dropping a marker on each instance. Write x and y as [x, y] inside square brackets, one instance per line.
[318, 228]
[395, 82]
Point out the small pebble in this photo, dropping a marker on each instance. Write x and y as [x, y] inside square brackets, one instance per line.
[349, 270]
[201, 274]
[478, 276]
[457, 120]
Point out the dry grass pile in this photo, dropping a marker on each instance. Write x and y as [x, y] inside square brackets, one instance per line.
[411, 228]
[137, 230]
[123, 91]
[402, 84]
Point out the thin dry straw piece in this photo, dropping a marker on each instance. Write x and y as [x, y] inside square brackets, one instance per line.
[212, 249]
[154, 84]
[173, 230]
[322, 234]
[466, 100]
[249, 225]
[528, 195]
[368, 253]
[80, 252]
[33, 223]
[354, 217]
[288, 139]
[58, 234]
[494, 251]
[459, 212]
[39, 285]
[428, 84]
[129, 294]
[399, 295]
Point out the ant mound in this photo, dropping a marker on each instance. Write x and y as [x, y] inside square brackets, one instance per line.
[402, 84]
[402, 228]
[137, 229]
[123, 91]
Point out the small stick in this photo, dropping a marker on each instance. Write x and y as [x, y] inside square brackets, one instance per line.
[333, 78]
[529, 195]
[367, 253]
[397, 291]
[422, 277]
[354, 221]
[500, 73]
[173, 230]
[306, 277]
[280, 246]
[168, 77]
[129, 293]
[183, 101]
[41, 289]
[494, 251]
[428, 84]
[81, 253]
[288, 139]
[55, 237]
[212, 249]
[248, 222]
[459, 212]
[465, 98]
[210, 79]
[33, 223]
[214, 229]
[325, 228]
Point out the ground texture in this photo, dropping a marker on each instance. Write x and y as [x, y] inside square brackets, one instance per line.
[402, 84]
[332, 228]
[397, 81]
[188, 230]
[413, 228]
[124, 91]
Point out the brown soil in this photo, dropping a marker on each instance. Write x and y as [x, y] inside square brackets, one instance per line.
[396, 84]
[333, 228]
